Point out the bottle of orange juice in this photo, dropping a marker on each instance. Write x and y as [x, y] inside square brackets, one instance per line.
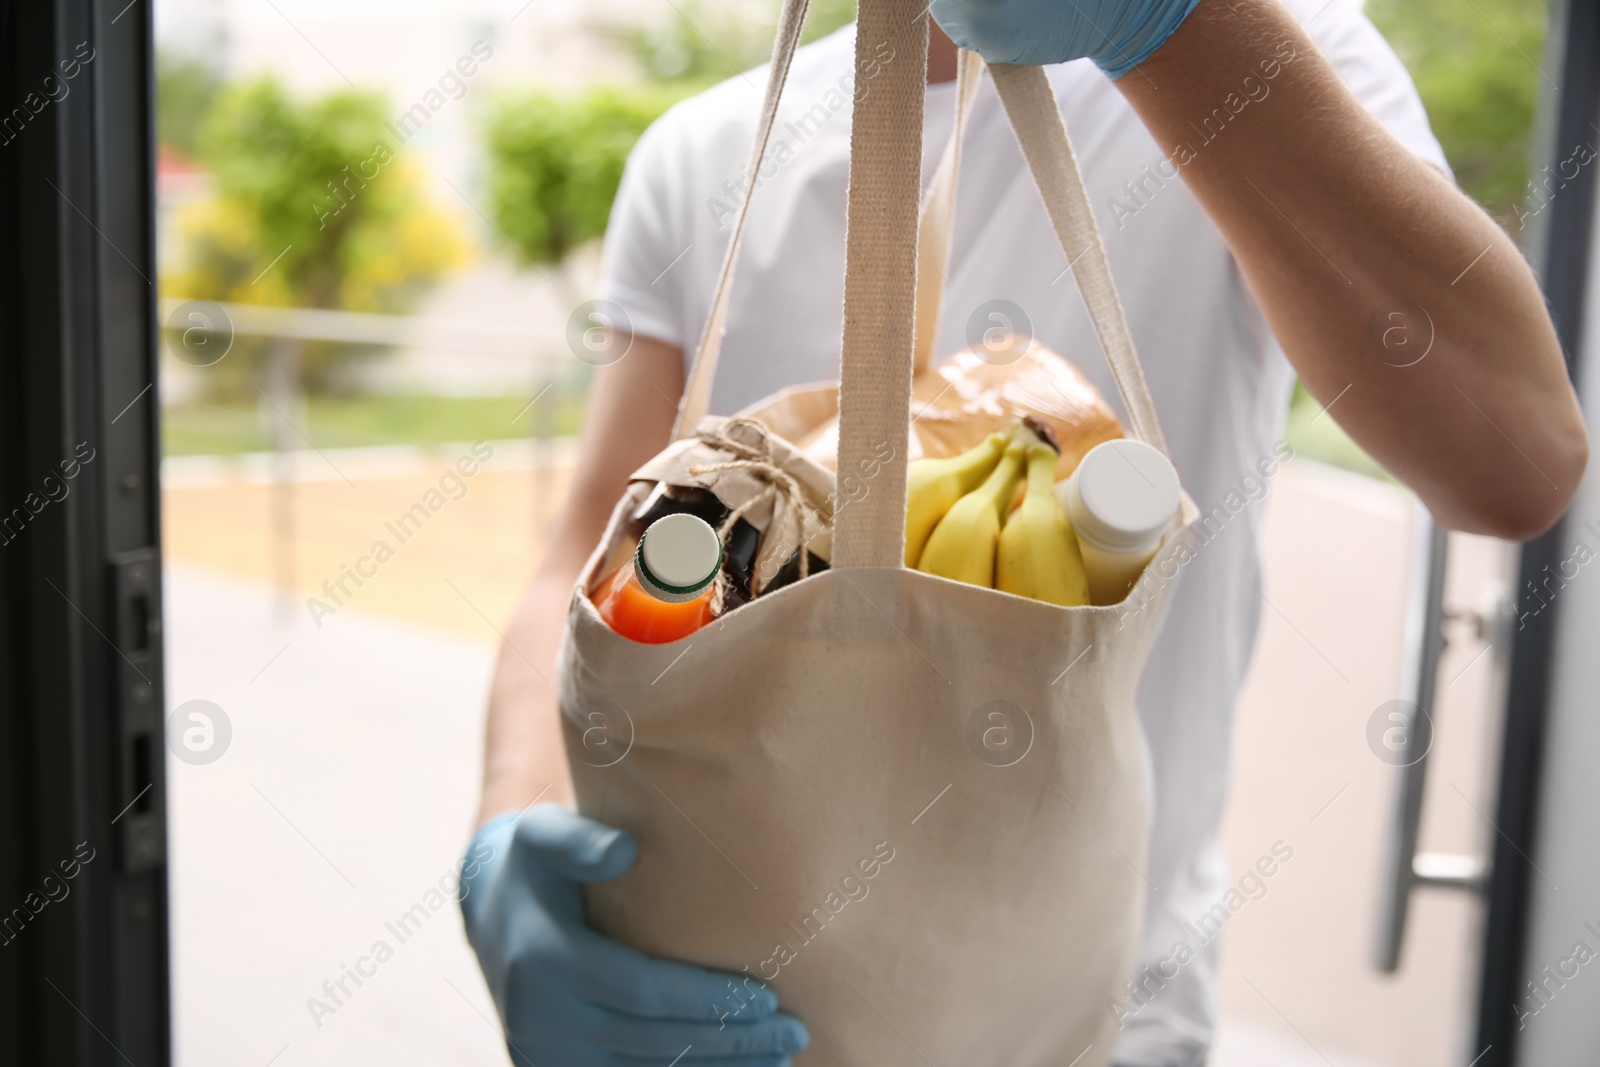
[664, 592]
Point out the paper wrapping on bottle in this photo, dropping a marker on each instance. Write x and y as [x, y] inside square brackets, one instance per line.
[789, 511]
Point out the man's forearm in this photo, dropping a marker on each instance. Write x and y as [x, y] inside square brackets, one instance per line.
[627, 420]
[524, 755]
[1362, 258]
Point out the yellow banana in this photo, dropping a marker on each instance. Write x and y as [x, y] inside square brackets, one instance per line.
[933, 485]
[1038, 555]
[962, 546]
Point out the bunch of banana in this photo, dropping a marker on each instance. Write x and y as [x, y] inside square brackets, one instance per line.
[957, 524]
[933, 485]
[1038, 555]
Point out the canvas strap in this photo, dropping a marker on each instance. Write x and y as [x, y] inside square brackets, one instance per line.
[1036, 119]
[891, 308]
[938, 214]
[880, 284]
[697, 390]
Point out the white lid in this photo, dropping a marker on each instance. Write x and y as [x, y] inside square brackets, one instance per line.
[678, 557]
[1122, 496]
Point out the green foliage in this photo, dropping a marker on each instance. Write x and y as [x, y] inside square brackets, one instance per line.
[1474, 65]
[186, 88]
[346, 422]
[676, 49]
[705, 41]
[825, 16]
[320, 179]
[555, 160]
[312, 208]
[1324, 440]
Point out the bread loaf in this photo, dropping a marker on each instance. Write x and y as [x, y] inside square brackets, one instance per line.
[963, 400]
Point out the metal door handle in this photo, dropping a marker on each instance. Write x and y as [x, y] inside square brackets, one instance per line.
[1404, 868]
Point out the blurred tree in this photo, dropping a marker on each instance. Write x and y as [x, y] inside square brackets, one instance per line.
[186, 88]
[555, 160]
[825, 16]
[312, 209]
[1474, 65]
[705, 41]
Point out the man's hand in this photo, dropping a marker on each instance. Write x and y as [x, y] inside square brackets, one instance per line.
[1117, 34]
[571, 998]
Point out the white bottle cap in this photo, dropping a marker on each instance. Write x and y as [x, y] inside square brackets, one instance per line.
[1122, 496]
[678, 557]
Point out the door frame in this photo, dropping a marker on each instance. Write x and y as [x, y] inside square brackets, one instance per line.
[1559, 247]
[84, 967]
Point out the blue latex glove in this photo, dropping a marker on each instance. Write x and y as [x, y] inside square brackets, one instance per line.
[1117, 34]
[571, 998]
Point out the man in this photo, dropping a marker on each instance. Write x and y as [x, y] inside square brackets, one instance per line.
[1264, 176]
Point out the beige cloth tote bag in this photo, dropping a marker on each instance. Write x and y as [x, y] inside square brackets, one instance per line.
[916, 808]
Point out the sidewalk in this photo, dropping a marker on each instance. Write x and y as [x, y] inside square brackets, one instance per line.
[480, 533]
[348, 789]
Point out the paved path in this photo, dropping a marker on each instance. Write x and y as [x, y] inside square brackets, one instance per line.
[348, 789]
[480, 533]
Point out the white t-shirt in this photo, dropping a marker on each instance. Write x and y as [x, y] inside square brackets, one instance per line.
[1220, 382]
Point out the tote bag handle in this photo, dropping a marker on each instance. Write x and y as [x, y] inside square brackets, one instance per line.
[697, 389]
[875, 378]
[938, 215]
[1036, 119]
[1031, 106]
[933, 234]
[890, 316]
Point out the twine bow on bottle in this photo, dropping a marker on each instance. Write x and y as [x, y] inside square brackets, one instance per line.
[748, 443]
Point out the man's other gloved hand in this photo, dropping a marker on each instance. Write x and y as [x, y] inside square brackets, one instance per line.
[1117, 34]
[571, 998]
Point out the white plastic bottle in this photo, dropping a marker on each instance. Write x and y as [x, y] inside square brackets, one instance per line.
[1121, 500]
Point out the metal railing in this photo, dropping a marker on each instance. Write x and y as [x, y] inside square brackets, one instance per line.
[360, 327]
[287, 328]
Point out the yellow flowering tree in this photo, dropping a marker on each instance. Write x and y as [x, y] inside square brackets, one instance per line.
[313, 207]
